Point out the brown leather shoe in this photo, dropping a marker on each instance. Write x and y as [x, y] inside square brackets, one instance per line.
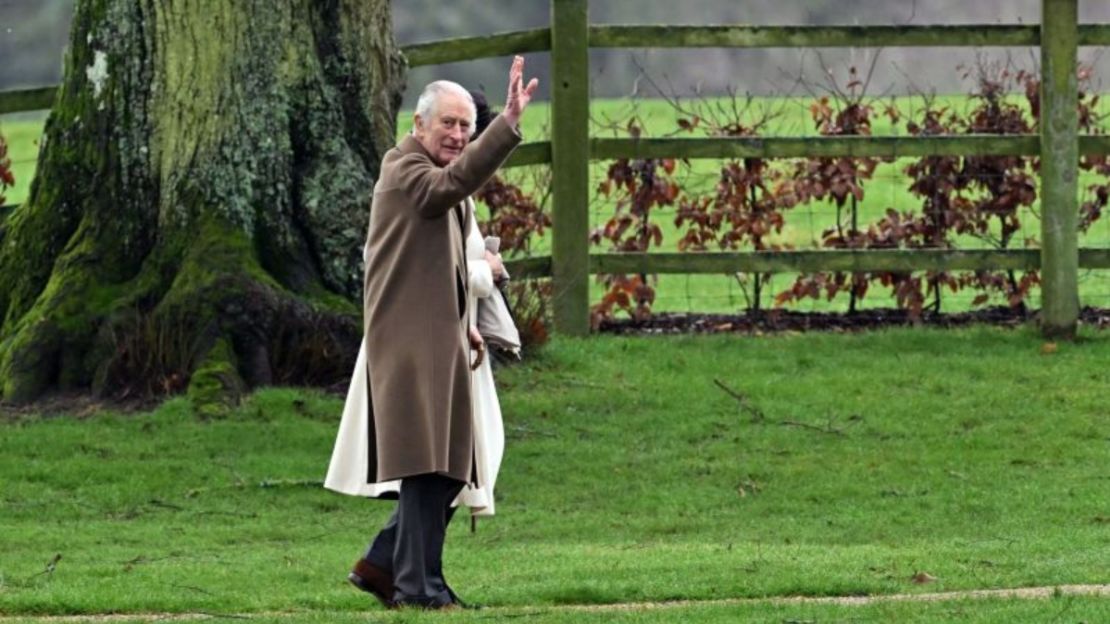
[373, 580]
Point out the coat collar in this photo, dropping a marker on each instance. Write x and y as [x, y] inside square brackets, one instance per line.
[409, 145]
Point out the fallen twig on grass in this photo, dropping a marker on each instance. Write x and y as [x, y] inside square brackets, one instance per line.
[273, 483]
[264, 484]
[50, 567]
[791, 423]
[758, 416]
[164, 505]
[141, 559]
[194, 588]
[233, 514]
[745, 405]
[527, 431]
[828, 428]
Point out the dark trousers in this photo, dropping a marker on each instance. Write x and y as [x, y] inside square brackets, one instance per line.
[410, 546]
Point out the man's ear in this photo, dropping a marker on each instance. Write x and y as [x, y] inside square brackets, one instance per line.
[417, 126]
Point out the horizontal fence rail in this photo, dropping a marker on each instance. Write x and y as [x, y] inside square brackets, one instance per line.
[26, 100]
[732, 36]
[745, 36]
[810, 36]
[847, 261]
[799, 147]
[534, 153]
[1090, 144]
[471, 48]
[741, 36]
[859, 146]
[1094, 34]
[539, 152]
[529, 268]
[854, 260]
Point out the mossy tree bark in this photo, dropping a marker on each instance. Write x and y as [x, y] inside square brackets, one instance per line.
[202, 192]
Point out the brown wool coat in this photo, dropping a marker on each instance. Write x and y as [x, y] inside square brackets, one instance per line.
[415, 308]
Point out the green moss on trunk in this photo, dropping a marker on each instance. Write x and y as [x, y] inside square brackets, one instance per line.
[204, 183]
[216, 387]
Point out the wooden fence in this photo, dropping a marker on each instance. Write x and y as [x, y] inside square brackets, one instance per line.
[569, 39]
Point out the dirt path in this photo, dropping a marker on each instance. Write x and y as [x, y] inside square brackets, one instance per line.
[1021, 593]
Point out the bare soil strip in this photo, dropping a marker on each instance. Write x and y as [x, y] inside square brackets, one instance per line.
[779, 320]
[1021, 593]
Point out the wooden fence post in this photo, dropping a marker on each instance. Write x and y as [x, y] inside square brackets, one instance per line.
[1059, 126]
[570, 158]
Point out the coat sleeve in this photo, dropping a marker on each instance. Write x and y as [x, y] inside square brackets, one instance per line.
[481, 278]
[434, 190]
[479, 273]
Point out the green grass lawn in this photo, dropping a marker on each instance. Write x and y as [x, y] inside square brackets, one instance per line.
[629, 477]
[22, 133]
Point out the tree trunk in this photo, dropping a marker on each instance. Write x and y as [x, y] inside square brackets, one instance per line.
[201, 201]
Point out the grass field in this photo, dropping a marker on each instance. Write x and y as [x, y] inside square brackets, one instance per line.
[855, 462]
[712, 293]
[22, 133]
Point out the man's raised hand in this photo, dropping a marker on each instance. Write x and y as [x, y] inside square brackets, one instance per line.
[519, 95]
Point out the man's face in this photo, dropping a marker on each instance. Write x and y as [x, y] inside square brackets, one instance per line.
[448, 131]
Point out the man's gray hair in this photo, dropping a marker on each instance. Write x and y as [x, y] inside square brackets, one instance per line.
[429, 100]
